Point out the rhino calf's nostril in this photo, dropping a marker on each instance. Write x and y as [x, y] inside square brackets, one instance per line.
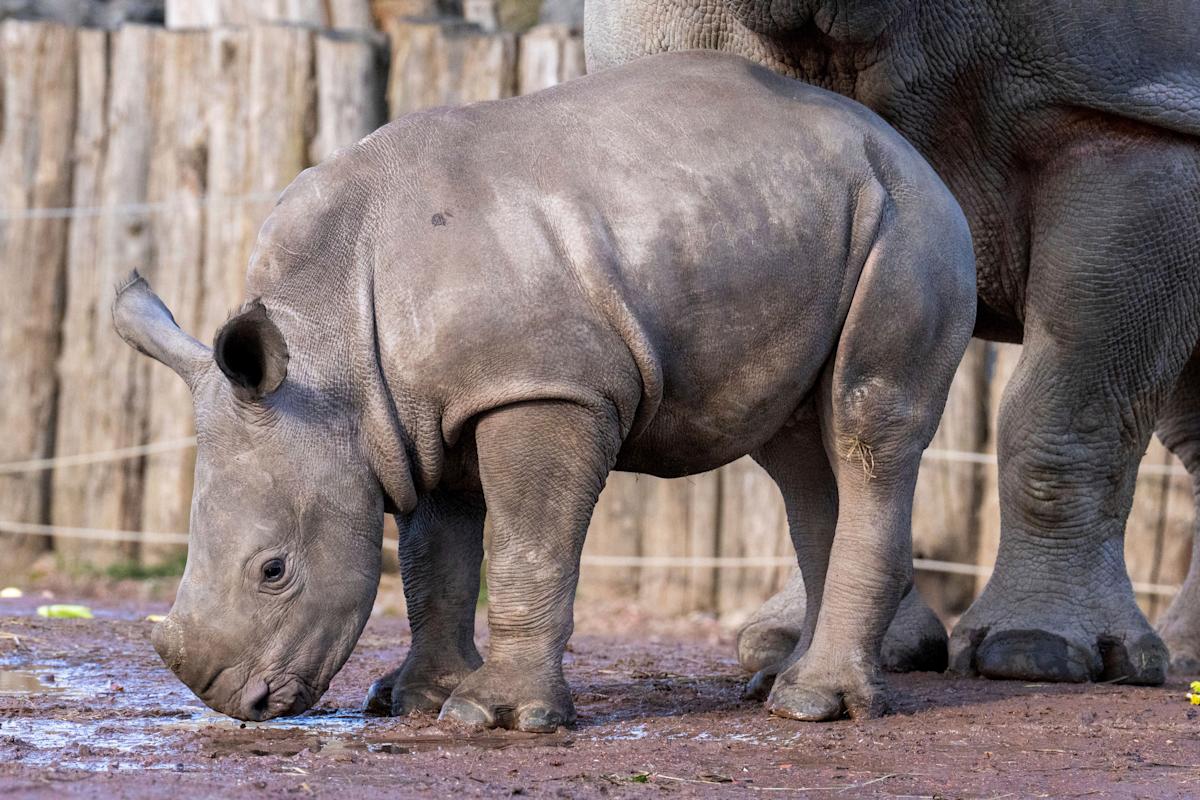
[257, 699]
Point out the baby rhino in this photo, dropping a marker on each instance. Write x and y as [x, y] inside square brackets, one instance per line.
[658, 268]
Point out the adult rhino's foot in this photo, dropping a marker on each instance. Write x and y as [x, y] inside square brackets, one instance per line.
[1180, 626]
[816, 690]
[417, 686]
[769, 637]
[507, 697]
[1084, 630]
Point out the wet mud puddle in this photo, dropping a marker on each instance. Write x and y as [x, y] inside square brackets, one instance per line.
[15, 683]
[125, 733]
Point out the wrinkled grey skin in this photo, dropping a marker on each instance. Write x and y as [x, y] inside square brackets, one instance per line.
[493, 307]
[1068, 130]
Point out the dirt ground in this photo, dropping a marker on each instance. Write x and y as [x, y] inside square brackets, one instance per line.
[88, 710]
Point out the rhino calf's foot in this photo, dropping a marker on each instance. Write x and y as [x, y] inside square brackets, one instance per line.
[406, 691]
[501, 697]
[815, 690]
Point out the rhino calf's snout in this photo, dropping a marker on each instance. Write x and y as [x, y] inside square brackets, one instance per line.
[254, 699]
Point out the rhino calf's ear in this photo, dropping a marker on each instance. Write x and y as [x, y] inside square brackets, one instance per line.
[252, 353]
[146, 324]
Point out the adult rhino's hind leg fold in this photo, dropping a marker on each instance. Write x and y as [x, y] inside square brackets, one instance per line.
[1112, 313]
[916, 641]
[441, 548]
[880, 401]
[772, 632]
[542, 465]
[1179, 430]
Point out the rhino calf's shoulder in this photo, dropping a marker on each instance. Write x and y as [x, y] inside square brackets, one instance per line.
[661, 267]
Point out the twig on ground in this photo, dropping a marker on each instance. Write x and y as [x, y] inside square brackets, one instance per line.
[751, 786]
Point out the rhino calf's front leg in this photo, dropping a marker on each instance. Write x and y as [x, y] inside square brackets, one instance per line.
[542, 466]
[441, 548]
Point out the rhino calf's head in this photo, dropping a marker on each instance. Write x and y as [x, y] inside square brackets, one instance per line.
[283, 557]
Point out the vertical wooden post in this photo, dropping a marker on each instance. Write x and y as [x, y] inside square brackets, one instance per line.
[550, 54]
[350, 90]
[753, 522]
[231, 215]
[1004, 359]
[349, 15]
[37, 121]
[616, 530]
[221, 13]
[178, 167]
[262, 120]
[447, 63]
[680, 521]
[103, 400]
[949, 493]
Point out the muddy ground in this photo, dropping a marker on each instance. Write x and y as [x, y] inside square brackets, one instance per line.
[88, 710]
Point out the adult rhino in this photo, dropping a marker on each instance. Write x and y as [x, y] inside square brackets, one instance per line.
[1069, 130]
[492, 307]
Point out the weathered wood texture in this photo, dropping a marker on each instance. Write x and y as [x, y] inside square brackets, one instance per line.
[550, 54]
[343, 14]
[946, 504]
[177, 180]
[383, 11]
[351, 85]
[103, 384]
[37, 125]
[438, 63]
[184, 140]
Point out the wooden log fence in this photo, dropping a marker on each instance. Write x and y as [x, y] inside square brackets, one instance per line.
[164, 149]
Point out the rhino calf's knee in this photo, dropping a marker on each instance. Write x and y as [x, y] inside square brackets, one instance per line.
[660, 268]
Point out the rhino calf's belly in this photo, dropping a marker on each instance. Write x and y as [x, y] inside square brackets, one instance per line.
[683, 439]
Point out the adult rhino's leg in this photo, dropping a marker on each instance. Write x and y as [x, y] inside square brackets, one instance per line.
[1179, 429]
[441, 547]
[881, 398]
[542, 466]
[1112, 312]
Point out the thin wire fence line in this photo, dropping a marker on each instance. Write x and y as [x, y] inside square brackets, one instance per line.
[171, 445]
[137, 209]
[100, 457]
[670, 562]
[97, 534]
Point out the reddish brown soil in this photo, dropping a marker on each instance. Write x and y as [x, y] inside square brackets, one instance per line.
[660, 714]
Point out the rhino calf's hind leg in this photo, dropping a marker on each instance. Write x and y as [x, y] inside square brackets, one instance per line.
[879, 403]
[542, 466]
[441, 547]
[795, 460]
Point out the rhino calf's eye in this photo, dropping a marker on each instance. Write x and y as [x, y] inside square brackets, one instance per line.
[273, 570]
